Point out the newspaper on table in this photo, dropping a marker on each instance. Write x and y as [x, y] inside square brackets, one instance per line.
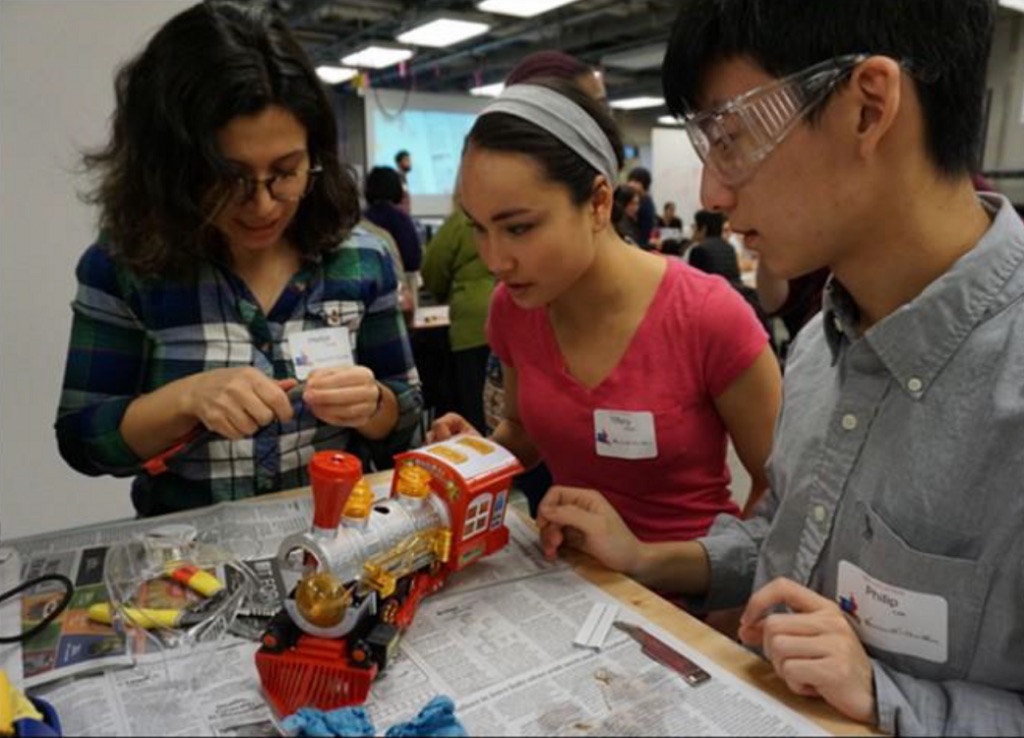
[497, 639]
[176, 697]
[72, 644]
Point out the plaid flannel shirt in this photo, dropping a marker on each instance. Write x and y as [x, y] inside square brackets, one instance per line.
[131, 335]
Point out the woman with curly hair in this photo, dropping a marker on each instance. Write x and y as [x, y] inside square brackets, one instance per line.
[228, 269]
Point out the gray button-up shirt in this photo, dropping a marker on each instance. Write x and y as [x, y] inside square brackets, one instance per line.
[902, 452]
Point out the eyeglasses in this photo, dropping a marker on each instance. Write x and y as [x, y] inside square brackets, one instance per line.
[734, 138]
[284, 187]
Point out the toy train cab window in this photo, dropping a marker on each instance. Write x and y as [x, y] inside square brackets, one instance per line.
[477, 516]
[358, 575]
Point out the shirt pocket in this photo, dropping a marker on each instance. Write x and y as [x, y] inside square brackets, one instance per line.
[335, 314]
[884, 554]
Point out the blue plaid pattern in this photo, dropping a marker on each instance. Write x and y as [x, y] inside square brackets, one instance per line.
[131, 335]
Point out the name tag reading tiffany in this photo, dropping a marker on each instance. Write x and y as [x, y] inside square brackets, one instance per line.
[624, 435]
[324, 348]
[892, 618]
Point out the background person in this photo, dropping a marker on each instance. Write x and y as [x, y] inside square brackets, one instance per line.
[403, 165]
[455, 274]
[383, 208]
[624, 214]
[639, 179]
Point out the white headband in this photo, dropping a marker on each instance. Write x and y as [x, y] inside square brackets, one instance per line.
[563, 119]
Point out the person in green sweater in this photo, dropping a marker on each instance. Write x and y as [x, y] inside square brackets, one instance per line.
[454, 274]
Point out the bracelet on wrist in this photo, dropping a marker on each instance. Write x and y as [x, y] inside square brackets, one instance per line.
[380, 400]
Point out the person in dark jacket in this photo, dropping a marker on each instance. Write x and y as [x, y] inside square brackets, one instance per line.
[384, 194]
[639, 179]
[714, 255]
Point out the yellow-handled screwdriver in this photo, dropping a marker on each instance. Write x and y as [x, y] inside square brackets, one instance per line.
[145, 617]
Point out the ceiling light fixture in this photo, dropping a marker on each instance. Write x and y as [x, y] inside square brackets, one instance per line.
[443, 31]
[335, 75]
[521, 8]
[1017, 5]
[669, 120]
[637, 103]
[377, 55]
[492, 90]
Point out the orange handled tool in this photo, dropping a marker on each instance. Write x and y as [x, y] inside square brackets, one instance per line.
[157, 465]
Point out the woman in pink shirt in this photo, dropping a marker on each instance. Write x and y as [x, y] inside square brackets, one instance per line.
[624, 371]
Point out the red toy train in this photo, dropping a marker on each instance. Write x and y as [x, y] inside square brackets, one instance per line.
[357, 577]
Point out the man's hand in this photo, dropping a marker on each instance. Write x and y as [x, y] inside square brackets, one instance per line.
[583, 519]
[814, 649]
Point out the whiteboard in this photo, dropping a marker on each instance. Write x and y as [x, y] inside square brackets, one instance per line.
[675, 172]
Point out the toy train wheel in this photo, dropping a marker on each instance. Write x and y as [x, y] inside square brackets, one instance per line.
[280, 634]
[360, 655]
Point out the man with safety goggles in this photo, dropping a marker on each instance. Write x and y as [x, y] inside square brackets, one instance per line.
[883, 571]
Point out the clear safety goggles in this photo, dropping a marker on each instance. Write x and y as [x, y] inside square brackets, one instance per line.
[734, 138]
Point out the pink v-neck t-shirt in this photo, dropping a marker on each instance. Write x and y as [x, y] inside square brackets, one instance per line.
[698, 336]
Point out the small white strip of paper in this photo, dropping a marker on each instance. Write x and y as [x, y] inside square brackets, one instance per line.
[596, 626]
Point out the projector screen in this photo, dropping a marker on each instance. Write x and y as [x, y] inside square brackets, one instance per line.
[432, 129]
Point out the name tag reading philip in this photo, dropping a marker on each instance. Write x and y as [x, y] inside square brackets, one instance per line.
[324, 348]
[892, 618]
[624, 435]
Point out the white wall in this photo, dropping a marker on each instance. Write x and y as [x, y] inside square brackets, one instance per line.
[57, 59]
[1004, 142]
[676, 172]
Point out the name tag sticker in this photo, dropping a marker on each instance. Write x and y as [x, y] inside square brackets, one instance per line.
[894, 619]
[324, 348]
[624, 435]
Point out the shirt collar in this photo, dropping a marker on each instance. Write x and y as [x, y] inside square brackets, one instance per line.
[917, 340]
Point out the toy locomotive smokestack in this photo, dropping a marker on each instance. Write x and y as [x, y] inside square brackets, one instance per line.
[333, 474]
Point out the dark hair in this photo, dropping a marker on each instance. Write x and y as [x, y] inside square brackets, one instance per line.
[401, 155]
[504, 132]
[624, 195]
[710, 222]
[945, 43]
[674, 246]
[383, 184]
[641, 175]
[161, 179]
[547, 64]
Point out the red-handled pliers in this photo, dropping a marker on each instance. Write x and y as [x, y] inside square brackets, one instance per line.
[158, 464]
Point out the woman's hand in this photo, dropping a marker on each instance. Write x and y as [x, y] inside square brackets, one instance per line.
[236, 402]
[448, 425]
[585, 520]
[347, 397]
